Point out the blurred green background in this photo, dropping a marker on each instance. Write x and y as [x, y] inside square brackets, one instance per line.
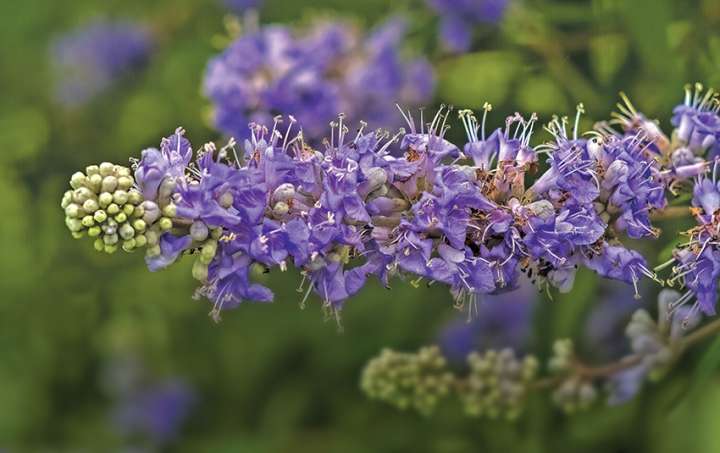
[275, 378]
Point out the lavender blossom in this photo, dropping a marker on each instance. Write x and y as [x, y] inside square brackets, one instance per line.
[459, 17]
[92, 58]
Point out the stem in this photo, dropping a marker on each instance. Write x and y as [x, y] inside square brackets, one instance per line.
[700, 334]
[672, 212]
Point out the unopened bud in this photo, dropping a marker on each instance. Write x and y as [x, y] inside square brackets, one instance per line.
[140, 225]
[110, 248]
[207, 253]
[153, 251]
[226, 200]
[107, 169]
[140, 240]
[73, 210]
[126, 231]
[200, 271]
[110, 238]
[165, 224]
[280, 209]
[92, 170]
[199, 231]
[66, 199]
[120, 217]
[129, 245]
[128, 209]
[77, 180]
[99, 245]
[124, 183]
[152, 212]
[100, 216]
[284, 192]
[94, 231]
[88, 221]
[113, 209]
[94, 182]
[105, 199]
[109, 184]
[169, 210]
[134, 197]
[120, 197]
[82, 194]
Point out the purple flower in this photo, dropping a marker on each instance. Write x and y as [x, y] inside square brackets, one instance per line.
[90, 59]
[169, 162]
[619, 263]
[170, 249]
[459, 17]
[697, 121]
[240, 6]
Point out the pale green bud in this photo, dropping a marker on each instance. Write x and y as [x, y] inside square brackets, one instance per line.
[113, 209]
[110, 239]
[107, 169]
[128, 209]
[66, 199]
[110, 248]
[167, 187]
[78, 234]
[82, 194]
[140, 240]
[200, 271]
[124, 182]
[216, 233]
[169, 210]
[109, 184]
[126, 231]
[120, 197]
[78, 180]
[207, 253]
[140, 225]
[226, 200]
[88, 221]
[165, 224]
[152, 237]
[280, 209]
[105, 199]
[99, 245]
[73, 210]
[153, 251]
[134, 197]
[129, 245]
[121, 171]
[199, 231]
[120, 217]
[92, 170]
[91, 206]
[94, 232]
[100, 216]
[284, 192]
[139, 211]
[94, 182]
[152, 212]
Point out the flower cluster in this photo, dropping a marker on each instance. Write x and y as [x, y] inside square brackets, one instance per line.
[313, 75]
[90, 59]
[459, 17]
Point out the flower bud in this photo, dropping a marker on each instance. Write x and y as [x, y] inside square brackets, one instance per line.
[138, 211]
[66, 199]
[134, 197]
[110, 248]
[121, 171]
[124, 182]
[113, 209]
[126, 231]
[280, 209]
[166, 189]
[152, 237]
[128, 209]
[153, 251]
[169, 210]
[94, 231]
[284, 192]
[152, 212]
[99, 245]
[92, 170]
[200, 271]
[165, 223]
[88, 221]
[94, 182]
[120, 217]
[90, 206]
[140, 240]
[107, 169]
[109, 184]
[120, 197]
[207, 253]
[73, 210]
[78, 234]
[226, 200]
[128, 245]
[82, 194]
[199, 231]
[110, 239]
[100, 216]
[105, 199]
[77, 180]
[140, 225]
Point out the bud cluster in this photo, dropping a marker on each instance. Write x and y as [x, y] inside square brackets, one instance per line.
[408, 380]
[575, 392]
[498, 383]
[103, 204]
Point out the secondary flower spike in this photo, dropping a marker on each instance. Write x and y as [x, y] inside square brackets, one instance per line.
[412, 205]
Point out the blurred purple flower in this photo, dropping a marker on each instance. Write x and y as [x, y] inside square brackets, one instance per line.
[459, 17]
[240, 6]
[92, 58]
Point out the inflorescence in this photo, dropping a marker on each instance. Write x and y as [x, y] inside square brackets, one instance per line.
[416, 206]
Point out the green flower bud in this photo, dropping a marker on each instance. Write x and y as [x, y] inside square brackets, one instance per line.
[134, 197]
[280, 209]
[167, 187]
[66, 199]
[110, 248]
[121, 171]
[105, 199]
[226, 200]
[94, 232]
[94, 182]
[216, 233]
[120, 217]
[109, 184]
[90, 206]
[200, 271]
[100, 216]
[169, 210]
[110, 238]
[107, 169]
[129, 245]
[199, 231]
[140, 240]
[113, 209]
[125, 182]
[138, 211]
[128, 209]
[88, 221]
[99, 245]
[153, 251]
[120, 197]
[152, 212]
[73, 210]
[152, 237]
[165, 223]
[78, 234]
[139, 225]
[92, 170]
[207, 253]
[78, 180]
[126, 231]
[82, 194]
